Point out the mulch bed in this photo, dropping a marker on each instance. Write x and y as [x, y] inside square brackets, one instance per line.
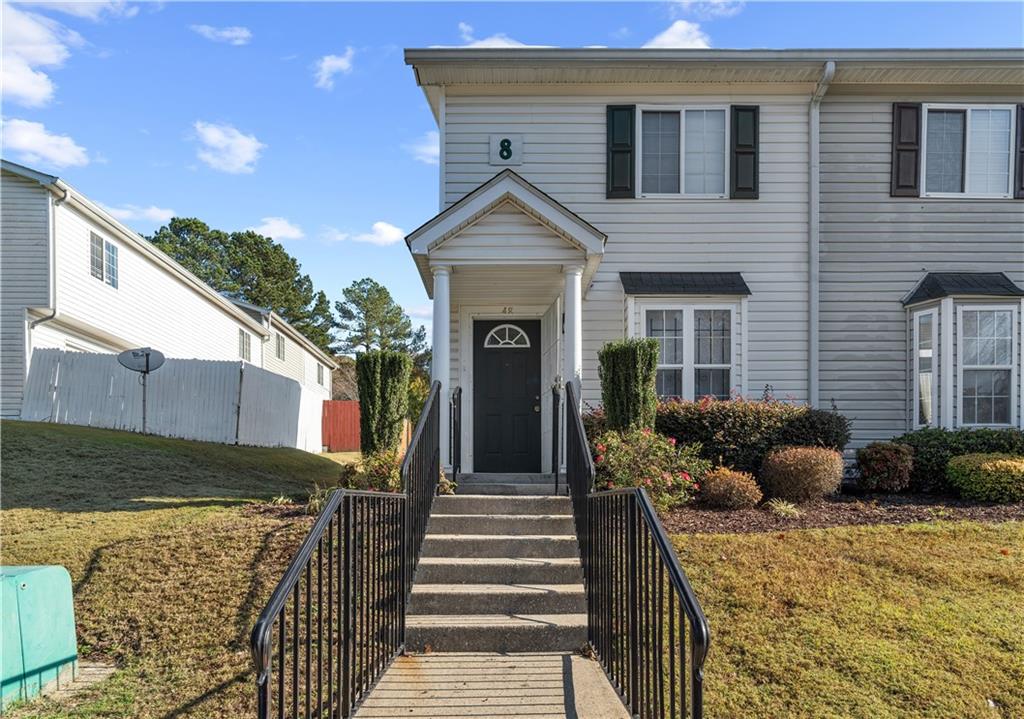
[838, 511]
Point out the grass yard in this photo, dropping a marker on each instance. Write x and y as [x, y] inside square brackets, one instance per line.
[169, 560]
[923, 620]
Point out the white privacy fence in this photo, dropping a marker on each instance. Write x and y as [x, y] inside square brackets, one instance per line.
[226, 402]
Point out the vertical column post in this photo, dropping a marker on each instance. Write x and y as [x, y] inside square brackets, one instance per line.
[573, 369]
[440, 365]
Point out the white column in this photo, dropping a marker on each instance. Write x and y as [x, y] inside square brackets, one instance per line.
[440, 365]
[573, 369]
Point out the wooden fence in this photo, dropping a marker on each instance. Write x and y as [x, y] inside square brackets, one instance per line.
[341, 426]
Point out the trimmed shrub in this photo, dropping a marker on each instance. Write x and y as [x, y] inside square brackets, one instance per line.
[988, 477]
[724, 488]
[885, 467]
[734, 433]
[933, 448]
[383, 379]
[642, 458]
[381, 472]
[799, 474]
[816, 428]
[627, 370]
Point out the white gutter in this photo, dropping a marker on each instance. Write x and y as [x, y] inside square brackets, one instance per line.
[814, 232]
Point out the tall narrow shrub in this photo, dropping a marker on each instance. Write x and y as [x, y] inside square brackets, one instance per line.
[628, 370]
[383, 379]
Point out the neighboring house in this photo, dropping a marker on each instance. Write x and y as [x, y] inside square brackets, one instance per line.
[72, 277]
[752, 210]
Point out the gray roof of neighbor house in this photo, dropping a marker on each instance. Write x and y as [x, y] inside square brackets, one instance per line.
[683, 283]
[936, 285]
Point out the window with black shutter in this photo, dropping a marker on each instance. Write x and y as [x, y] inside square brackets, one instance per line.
[743, 152]
[621, 141]
[906, 150]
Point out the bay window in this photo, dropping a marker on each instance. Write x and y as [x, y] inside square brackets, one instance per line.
[968, 150]
[683, 151]
[925, 366]
[987, 365]
[695, 349]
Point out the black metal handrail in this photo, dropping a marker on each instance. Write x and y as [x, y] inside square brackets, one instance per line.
[640, 605]
[556, 423]
[455, 440]
[334, 621]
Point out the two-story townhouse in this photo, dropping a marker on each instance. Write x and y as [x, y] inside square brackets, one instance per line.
[72, 277]
[736, 205]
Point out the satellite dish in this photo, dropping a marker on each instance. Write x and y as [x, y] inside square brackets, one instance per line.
[144, 359]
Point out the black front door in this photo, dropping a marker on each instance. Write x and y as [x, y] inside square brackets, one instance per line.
[506, 396]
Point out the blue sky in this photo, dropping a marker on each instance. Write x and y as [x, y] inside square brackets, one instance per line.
[304, 120]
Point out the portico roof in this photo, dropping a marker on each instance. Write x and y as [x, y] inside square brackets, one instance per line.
[506, 189]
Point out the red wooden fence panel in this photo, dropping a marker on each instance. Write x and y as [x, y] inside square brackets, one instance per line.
[341, 425]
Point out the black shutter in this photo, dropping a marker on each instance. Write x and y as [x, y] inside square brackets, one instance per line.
[906, 150]
[621, 141]
[743, 152]
[1018, 183]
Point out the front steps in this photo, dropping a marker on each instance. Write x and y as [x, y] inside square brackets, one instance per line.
[499, 573]
[509, 484]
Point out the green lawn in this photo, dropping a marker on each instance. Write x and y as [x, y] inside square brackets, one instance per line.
[924, 620]
[169, 561]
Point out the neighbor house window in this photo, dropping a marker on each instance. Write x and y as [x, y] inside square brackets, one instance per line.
[683, 151]
[695, 350]
[245, 345]
[279, 346]
[319, 374]
[103, 260]
[986, 358]
[925, 360]
[968, 150]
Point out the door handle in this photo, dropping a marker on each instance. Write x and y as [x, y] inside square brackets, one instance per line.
[536, 408]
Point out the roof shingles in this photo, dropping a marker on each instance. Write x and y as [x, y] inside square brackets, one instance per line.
[937, 285]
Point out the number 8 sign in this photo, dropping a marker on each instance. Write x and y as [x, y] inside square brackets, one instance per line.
[506, 150]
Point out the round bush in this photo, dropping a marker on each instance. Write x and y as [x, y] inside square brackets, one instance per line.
[933, 448]
[725, 488]
[816, 428]
[799, 474]
[885, 467]
[988, 477]
[642, 458]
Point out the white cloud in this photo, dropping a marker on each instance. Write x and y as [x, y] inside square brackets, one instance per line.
[381, 233]
[681, 34]
[420, 312]
[427, 149]
[33, 143]
[30, 42]
[154, 214]
[233, 35]
[225, 148]
[92, 10]
[278, 228]
[497, 40]
[330, 65]
[707, 9]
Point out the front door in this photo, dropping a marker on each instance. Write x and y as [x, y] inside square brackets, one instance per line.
[506, 396]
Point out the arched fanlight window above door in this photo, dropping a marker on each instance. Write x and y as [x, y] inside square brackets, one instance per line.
[505, 336]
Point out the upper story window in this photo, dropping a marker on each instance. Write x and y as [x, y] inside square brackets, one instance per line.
[319, 374]
[695, 350]
[279, 346]
[987, 371]
[968, 150]
[683, 151]
[103, 260]
[245, 345]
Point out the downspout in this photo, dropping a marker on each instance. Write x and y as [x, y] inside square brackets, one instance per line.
[54, 204]
[813, 232]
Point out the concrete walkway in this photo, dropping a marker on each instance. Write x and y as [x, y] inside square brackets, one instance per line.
[503, 686]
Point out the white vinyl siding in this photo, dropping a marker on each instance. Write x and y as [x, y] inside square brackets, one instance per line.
[987, 365]
[875, 249]
[24, 278]
[925, 367]
[968, 150]
[564, 155]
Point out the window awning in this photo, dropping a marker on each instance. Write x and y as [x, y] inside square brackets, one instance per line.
[936, 285]
[683, 283]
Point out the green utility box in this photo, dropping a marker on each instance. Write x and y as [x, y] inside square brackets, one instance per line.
[38, 628]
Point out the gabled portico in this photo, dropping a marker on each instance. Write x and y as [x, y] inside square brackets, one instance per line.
[507, 267]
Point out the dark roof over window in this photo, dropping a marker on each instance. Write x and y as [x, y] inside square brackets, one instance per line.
[683, 283]
[937, 285]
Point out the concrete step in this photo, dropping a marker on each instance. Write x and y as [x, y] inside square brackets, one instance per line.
[510, 524]
[498, 599]
[499, 570]
[476, 504]
[492, 488]
[507, 478]
[495, 632]
[500, 545]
